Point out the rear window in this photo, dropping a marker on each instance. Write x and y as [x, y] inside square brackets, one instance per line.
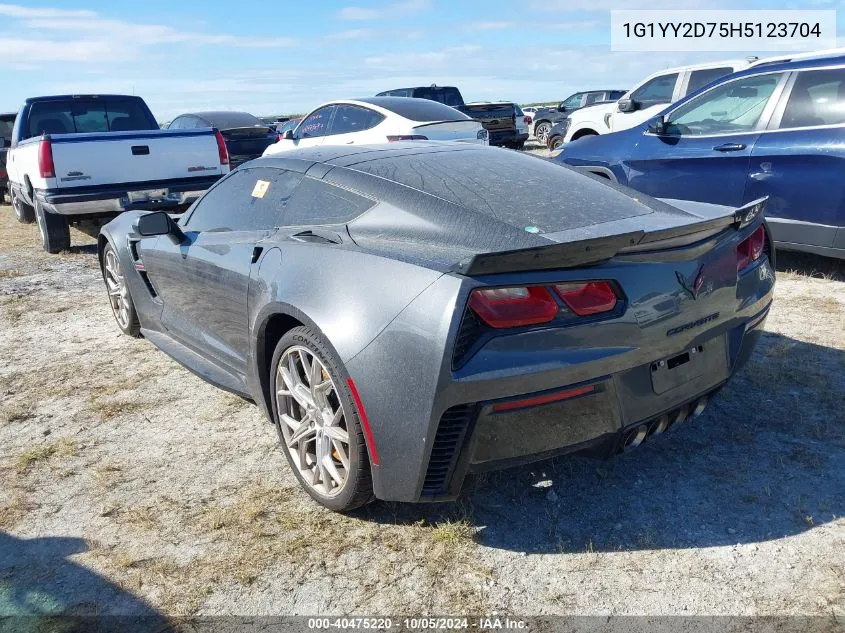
[6, 123]
[422, 110]
[447, 95]
[88, 115]
[231, 120]
[519, 190]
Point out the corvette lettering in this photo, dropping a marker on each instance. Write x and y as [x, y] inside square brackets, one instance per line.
[693, 324]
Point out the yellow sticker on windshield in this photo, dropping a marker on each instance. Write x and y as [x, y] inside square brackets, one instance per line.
[260, 188]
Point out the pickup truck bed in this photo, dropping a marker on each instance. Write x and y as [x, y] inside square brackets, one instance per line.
[75, 158]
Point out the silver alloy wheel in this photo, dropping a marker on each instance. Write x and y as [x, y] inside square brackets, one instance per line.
[313, 421]
[118, 292]
[543, 133]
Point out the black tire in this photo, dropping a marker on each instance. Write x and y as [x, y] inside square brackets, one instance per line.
[23, 212]
[541, 131]
[358, 487]
[130, 326]
[519, 146]
[54, 230]
[555, 143]
[585, 135]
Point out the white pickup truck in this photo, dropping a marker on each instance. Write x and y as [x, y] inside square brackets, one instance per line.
[82, 157]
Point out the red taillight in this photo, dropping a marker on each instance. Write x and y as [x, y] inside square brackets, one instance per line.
[544, 399]
[585, 298]
[221, 148]
[750, 249]
[45, 159]
[407, 137]
[527, 120]
[513, 307]
[3, 173]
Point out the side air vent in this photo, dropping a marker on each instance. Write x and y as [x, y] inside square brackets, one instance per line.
[471, 331]
[451, 434]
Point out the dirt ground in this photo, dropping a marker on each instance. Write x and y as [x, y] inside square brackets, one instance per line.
[127, 485]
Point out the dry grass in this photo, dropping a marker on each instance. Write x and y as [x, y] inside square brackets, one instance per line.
[13, 511]
[62, 448]
[14, 307]
[8, 273]
[252, 529]
[15, 411]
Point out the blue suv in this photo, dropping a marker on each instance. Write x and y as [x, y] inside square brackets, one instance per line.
[775, 129]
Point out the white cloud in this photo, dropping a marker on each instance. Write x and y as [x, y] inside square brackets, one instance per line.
[352, 34]
[387, 11]
[43, 35]
[17, 11]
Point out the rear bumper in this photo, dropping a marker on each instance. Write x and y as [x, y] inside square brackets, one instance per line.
[597, 417]
[108, 199]
[506, 137]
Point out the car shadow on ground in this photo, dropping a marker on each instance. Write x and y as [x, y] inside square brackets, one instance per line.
[766, 460]
[41, 589]
[811, 265]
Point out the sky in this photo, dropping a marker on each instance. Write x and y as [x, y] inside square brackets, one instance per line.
[275, 57]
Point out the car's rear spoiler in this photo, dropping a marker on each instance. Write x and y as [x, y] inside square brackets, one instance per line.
[593, 251]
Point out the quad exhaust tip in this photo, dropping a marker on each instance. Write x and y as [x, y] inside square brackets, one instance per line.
[637, 435]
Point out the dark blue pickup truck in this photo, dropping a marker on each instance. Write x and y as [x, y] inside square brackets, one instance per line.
[774, 129]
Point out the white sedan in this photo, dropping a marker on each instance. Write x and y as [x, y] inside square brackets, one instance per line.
[377, 120]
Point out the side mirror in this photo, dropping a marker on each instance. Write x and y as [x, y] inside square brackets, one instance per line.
[627, 105]
[159, 223]
[561, 107]
[288, 135]
[657, 125]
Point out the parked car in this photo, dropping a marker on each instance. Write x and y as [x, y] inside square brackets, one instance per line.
[529, 111]
[498, 118]
[7, 122]
[506, 324]
[245, 135]
[647, 98]
[545, 118]
[775, 129]
[91, 156]
[379, 120]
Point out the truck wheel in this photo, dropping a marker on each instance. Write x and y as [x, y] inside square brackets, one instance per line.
[556, 142]
[318, 421]
[54, 229]
[119, 298]
[542, 130]
[23, 212]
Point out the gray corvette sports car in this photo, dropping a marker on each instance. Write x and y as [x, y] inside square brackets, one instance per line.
[408, 313]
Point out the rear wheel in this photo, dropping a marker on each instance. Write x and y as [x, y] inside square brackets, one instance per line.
[541, 131]
[120, 300]
[54, 230]
[555, 143]
[318, 422]
[23, 212]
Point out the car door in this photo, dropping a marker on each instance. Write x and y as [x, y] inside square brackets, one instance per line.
[650, 98]
[705, 150]
[800, 160]
[312, 130]
[203, 282]
[353, 124]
